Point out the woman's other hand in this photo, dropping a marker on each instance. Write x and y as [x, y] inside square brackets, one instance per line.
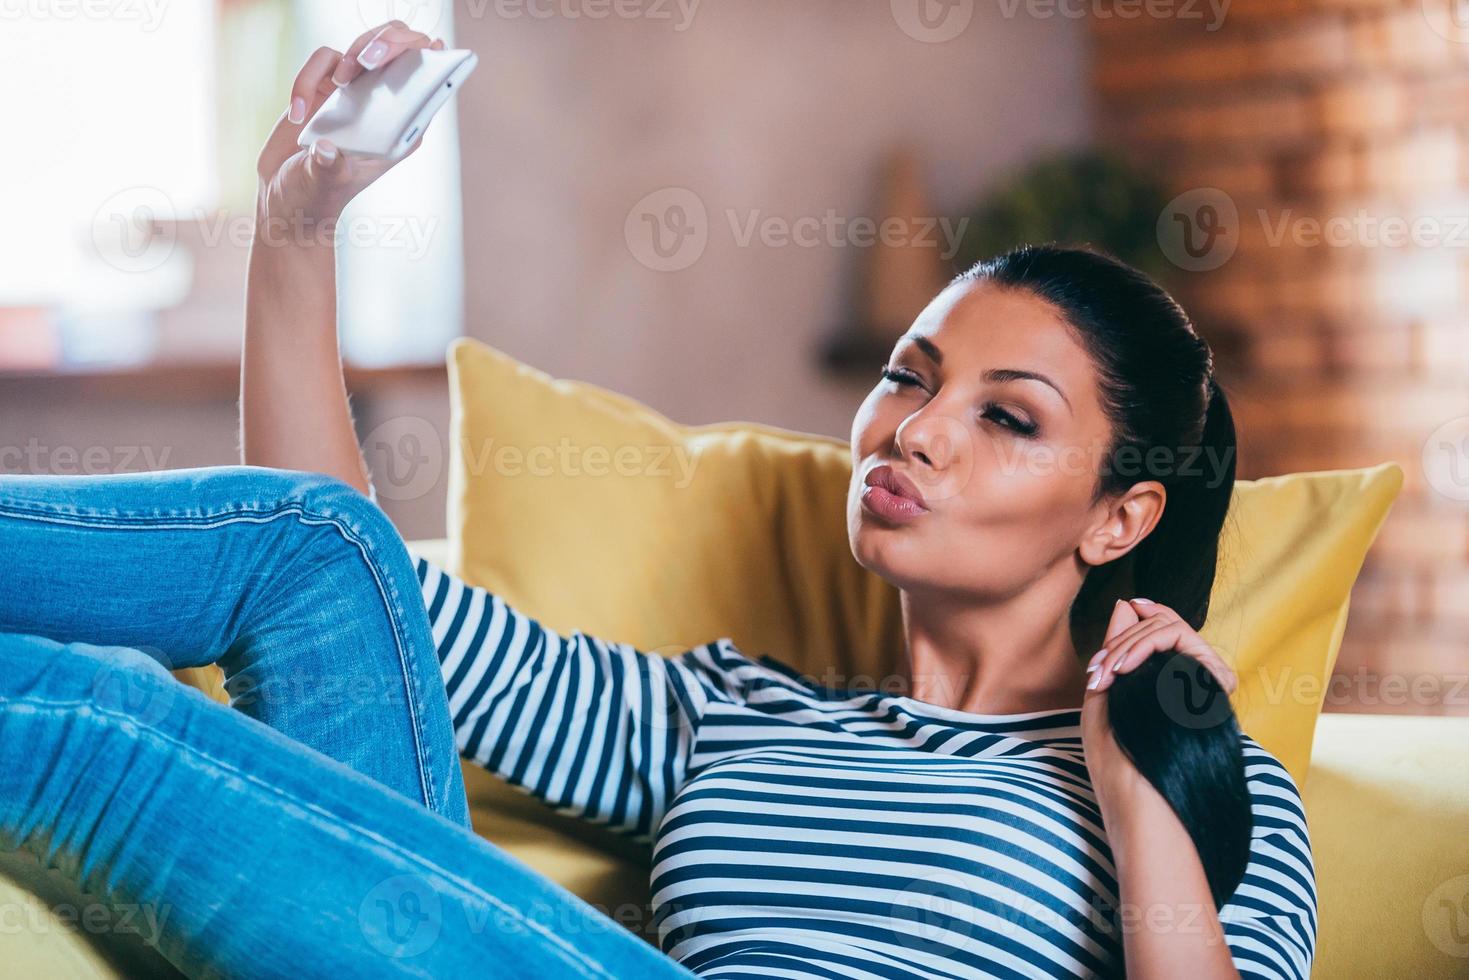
[1138, 629]
[1141, 628]
[303, 187]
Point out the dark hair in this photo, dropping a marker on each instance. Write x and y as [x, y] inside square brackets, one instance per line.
[1171, 423]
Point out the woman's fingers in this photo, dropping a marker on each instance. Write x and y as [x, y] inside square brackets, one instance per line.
[373, 50]
[1158, 638]
[311, 88]
[1118, 648]
[348, 58]
[1123, 617]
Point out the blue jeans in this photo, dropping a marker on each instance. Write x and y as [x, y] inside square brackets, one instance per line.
[321, 828]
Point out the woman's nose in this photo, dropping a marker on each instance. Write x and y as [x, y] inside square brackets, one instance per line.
[942, 449]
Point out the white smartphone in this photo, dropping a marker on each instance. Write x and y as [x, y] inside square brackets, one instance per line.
[380, 113]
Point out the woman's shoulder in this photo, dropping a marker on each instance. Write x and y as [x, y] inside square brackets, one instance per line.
[1274, 795]
[738, 676]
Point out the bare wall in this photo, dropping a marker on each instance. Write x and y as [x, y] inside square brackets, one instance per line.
[770, 109]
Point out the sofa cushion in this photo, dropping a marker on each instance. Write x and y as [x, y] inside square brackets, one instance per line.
[591, 511]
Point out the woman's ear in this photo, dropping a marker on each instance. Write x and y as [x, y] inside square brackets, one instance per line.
[1124, 523]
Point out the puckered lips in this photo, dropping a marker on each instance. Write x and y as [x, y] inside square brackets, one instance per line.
[890, 495]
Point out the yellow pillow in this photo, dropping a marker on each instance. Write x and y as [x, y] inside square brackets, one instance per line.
[591, 511]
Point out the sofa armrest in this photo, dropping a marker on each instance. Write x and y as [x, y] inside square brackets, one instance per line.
[1387, 802]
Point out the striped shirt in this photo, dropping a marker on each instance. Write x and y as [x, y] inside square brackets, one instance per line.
[806, 832]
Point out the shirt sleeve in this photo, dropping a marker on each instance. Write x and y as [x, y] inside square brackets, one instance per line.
[596, 729]
[1270, 921]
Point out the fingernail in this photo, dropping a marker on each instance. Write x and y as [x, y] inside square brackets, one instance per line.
[1097, 657]
[1091, 685]
[373, 54]
[326, 150]
[297, 113]
[1093, 666]
[1146, 602]
[1117, 664]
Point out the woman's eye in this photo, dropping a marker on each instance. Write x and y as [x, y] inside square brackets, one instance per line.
[899, 376]
[1021, 426]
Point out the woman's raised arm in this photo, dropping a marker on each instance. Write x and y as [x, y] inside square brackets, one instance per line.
[294, 412]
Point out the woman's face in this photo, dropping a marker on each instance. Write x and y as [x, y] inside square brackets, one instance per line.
[983, 481]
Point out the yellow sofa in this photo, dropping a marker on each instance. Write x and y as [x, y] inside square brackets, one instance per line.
[1387, 798]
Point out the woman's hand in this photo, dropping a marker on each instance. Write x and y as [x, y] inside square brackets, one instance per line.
[302, 188]
[1158, 870]
[1138, 629]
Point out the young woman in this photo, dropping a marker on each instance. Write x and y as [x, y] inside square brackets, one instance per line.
[1026, 472]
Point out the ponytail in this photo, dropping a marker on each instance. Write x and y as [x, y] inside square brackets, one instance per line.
[1168, 714]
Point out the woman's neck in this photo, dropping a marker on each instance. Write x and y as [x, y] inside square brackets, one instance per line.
[1009, 657]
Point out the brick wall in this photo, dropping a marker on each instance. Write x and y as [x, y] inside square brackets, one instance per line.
[1337, 131]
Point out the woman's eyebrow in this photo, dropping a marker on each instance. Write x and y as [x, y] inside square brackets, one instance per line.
[928, 347]
[996, 375]
[1001, 375]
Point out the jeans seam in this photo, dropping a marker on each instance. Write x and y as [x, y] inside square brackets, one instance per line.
[563, 949]
[265, 516]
